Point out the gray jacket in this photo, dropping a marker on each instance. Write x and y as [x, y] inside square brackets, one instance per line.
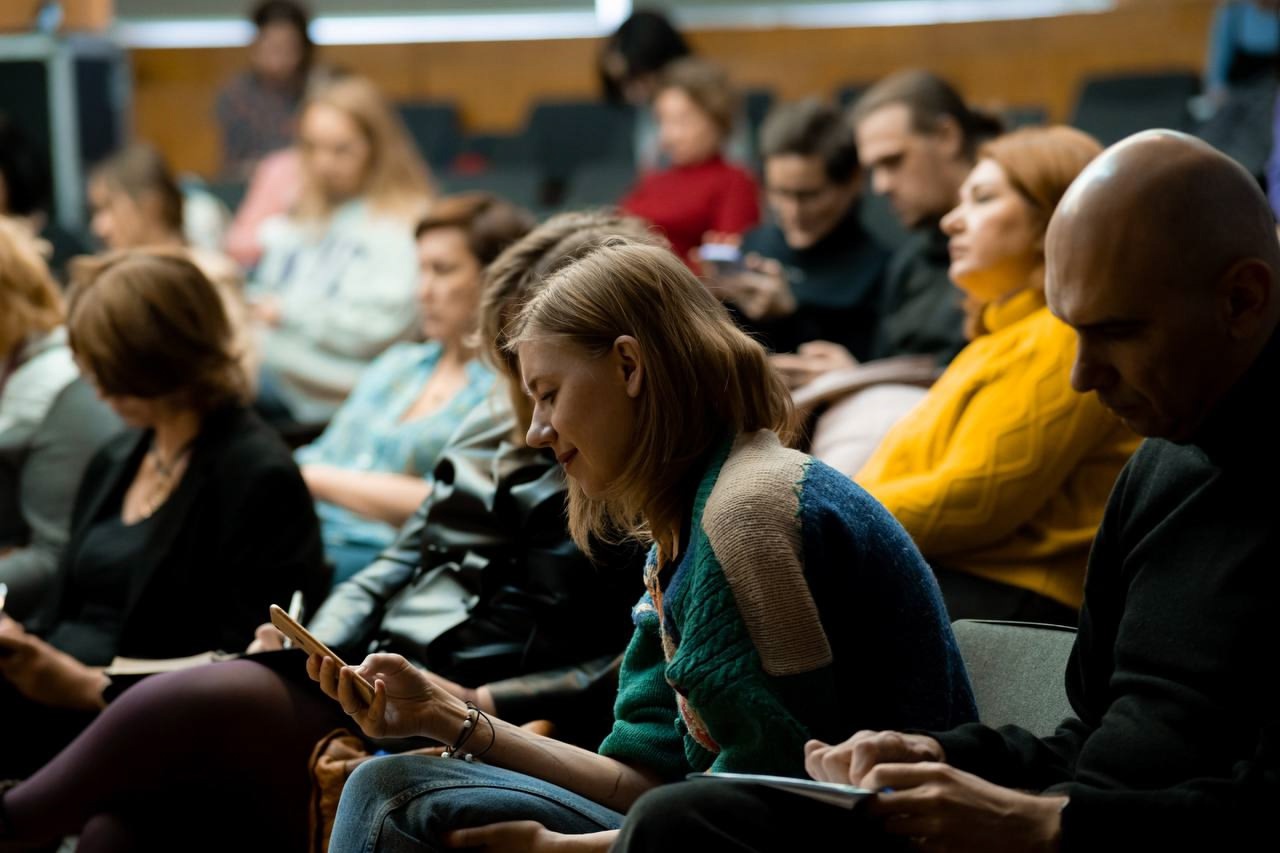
[51, 423]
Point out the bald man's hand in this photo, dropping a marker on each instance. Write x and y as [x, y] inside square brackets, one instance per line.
[939, 807]
[847, 763]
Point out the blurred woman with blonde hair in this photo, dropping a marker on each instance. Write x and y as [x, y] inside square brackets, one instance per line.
[136, 203]
[337, 280]
[50, 424]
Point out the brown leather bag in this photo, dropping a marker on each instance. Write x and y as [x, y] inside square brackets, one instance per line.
[334, 759]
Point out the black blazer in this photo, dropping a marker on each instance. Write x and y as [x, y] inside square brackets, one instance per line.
[238, 534]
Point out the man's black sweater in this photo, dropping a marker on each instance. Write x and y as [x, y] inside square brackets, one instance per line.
[1173, 678]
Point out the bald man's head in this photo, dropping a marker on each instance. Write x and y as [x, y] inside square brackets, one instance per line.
[1163, 256]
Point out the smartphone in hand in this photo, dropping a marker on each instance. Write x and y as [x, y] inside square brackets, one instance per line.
[722, 259]
[304, 639]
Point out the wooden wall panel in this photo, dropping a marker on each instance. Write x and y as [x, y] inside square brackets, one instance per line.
[1010, 63]
[77, 15]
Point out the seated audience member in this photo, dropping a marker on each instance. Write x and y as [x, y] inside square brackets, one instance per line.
[917, 139]
[272, 191]
[1163, 257]
[184, 528]
[662, 414]
[483, 587]
[1000, 474]
[136, 203]
[1244, 43]
[336, 283]
[370, 468]
[699, 192]
[256, 109]
[50, 425]
[25, 198]
[631, 63]
[815, 275]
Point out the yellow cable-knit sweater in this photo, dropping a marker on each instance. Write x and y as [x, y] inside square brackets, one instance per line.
[1003, 470]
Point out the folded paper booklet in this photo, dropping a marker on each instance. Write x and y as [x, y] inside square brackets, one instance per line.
[148, 666]
[846, 796]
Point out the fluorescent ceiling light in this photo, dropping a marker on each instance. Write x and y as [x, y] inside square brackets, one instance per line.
[553, 24]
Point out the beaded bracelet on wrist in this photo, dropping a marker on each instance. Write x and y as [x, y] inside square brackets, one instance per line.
[469, 726]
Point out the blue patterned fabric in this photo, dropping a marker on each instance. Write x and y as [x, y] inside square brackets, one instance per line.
[367, 433]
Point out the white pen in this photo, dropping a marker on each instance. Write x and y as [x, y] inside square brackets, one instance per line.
[295, 613]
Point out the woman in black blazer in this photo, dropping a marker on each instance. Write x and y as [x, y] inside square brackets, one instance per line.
[185, 529]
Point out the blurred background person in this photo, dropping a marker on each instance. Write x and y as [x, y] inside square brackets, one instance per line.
[1244, 44]
[256, 110]
[371, 468]
[51, 423]
[338, 275]
[185, 528]
[1236, 113]
[916, 139]
[699, 192]
[272, 191]
[813, 274]
[630, 65]
[135, 202]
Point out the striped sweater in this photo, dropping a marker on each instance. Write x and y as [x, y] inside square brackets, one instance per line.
[798, 608]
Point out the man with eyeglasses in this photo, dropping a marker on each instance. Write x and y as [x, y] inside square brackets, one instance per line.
[811, 280]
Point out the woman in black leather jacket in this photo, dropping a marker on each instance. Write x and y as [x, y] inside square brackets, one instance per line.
[482, 586]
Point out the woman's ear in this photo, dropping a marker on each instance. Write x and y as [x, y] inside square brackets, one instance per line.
[630, 361]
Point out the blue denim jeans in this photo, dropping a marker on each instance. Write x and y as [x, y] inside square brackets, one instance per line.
[406, 802]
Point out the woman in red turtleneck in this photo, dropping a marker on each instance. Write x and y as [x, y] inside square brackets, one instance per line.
[699, 191]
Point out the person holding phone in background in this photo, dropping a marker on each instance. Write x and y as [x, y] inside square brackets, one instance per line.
[811, 281]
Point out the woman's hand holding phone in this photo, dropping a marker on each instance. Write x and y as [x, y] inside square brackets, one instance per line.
[406, 701]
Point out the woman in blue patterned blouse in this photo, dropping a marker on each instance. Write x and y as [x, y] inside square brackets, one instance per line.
[369, 470]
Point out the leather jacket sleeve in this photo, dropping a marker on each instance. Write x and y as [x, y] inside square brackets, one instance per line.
[352, 613]
[484, 586]
[351, 617]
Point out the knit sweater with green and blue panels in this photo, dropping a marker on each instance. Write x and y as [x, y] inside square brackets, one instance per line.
[798, 609]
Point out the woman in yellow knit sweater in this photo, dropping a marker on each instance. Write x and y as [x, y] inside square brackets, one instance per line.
[1001, 472]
